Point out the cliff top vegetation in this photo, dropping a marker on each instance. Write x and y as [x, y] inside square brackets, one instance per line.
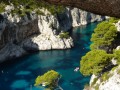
[98, 60]
[21, 7]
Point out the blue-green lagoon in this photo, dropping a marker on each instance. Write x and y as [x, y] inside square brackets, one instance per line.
[20, 74]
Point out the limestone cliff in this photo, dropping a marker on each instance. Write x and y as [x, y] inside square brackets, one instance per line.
[109, 81]
[19, 35]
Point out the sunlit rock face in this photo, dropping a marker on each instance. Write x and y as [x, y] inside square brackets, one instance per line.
[118, 26]
[112, 83]
[80, 17]
[20, 35]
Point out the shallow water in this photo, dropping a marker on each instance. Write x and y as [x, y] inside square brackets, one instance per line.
[20, 74]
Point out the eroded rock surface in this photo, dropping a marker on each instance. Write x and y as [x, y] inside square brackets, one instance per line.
[102, 7]
[20, 35]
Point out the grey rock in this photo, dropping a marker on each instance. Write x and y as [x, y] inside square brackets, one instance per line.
[19, 35]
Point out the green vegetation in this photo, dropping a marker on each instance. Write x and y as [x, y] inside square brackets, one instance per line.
[49, 79]
[114, 68]
[105, 76]
[98, 60]
[117, 56]
[97, 87]
[64, 35]
[94, 81]
[94, 62]
[21, 7]
[114, 20]
[118, 71]
[103, 35]
[2, 7]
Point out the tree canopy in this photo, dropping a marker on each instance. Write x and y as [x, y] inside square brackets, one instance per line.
[49, 79]
[23, 6]
[104, 34]
[94, 62]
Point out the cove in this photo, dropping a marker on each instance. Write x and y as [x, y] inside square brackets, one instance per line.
[19, 74]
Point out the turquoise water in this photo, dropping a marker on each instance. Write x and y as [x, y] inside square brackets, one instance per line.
[20, 74]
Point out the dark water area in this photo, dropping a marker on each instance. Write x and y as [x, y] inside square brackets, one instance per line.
[20, 74]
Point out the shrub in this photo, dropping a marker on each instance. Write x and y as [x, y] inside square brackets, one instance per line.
[114, 68]
[2, 7]
[105, 76]
[114, 20]
[94, 81]
[64, 35]
[97, 87]
[117, 56]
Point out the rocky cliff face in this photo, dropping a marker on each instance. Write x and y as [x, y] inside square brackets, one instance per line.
[102, 7]
[80, 17]
[19, 35]
[111, 81]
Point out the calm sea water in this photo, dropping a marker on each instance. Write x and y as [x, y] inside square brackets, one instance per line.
[20, 74]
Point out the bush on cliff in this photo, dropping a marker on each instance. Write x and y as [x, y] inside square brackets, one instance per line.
[114, 20]
[103, 36]
[64, 35]
[117, 56]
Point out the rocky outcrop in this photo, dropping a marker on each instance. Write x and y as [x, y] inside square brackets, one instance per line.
[102, 7]
[20, 35]
[80, 17]
[112, 81]
[118, 26]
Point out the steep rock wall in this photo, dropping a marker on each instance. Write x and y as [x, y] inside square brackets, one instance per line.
[102, 7]
[19, 35]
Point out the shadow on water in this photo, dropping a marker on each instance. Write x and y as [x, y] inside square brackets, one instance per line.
[20, 74]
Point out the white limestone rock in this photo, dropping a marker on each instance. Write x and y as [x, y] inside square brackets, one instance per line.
[80, 17]
[118, 26]
[42, 42]
[113, 83]
[118, 48]
[39, 32]
[114, 61]
[92, 79]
